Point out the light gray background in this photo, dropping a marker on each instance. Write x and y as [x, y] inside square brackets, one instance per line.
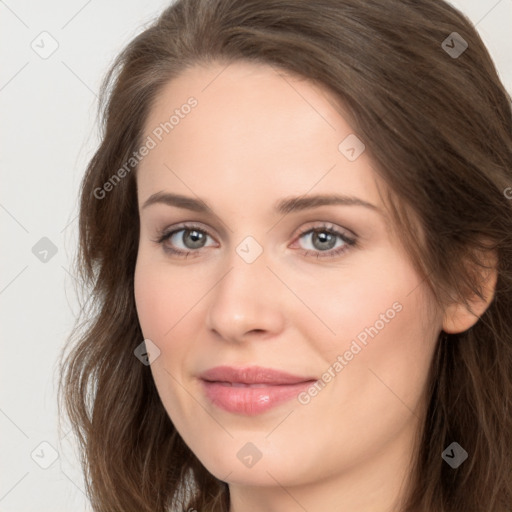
[48, 132]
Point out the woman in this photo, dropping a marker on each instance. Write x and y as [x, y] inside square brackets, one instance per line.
[298, 238]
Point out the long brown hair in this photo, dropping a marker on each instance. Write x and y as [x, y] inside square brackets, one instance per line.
[438, 127]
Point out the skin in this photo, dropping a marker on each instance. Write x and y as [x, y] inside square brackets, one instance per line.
[255, 137]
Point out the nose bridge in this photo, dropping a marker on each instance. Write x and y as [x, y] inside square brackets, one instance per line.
[246, 298]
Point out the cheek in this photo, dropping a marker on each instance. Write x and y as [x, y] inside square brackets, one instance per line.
[384, 330]
[373, 291]
[151, 300]
[164, 296]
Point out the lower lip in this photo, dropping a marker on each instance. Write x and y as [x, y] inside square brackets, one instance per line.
[251, 400]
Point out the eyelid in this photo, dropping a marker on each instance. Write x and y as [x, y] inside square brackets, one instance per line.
[327, 226]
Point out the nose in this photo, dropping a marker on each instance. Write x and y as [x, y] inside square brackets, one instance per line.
[247, 303]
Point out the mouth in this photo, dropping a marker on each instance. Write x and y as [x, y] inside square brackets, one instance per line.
[251, 390]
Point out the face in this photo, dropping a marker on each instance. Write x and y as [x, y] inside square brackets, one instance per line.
[325, 328]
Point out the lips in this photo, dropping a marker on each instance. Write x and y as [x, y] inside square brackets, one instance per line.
[251, 390]
[252, 375]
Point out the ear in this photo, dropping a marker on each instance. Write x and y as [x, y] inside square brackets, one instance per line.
[457, 316]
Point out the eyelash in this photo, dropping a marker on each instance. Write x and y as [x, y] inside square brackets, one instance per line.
[164, 235]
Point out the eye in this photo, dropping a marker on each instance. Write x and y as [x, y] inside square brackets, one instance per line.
[320, 241]
[183, 240]
[325, 241]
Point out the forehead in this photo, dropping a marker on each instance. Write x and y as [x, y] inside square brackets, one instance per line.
[252, 128]
[244, 99]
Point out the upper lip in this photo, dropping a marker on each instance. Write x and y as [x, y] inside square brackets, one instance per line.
[252, 375]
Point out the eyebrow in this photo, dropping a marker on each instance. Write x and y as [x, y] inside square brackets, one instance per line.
[283, 206]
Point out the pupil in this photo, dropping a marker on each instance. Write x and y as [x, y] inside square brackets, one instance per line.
[196, 237]
[323, 237]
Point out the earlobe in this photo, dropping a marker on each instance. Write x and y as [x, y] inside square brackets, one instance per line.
[458, 317]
